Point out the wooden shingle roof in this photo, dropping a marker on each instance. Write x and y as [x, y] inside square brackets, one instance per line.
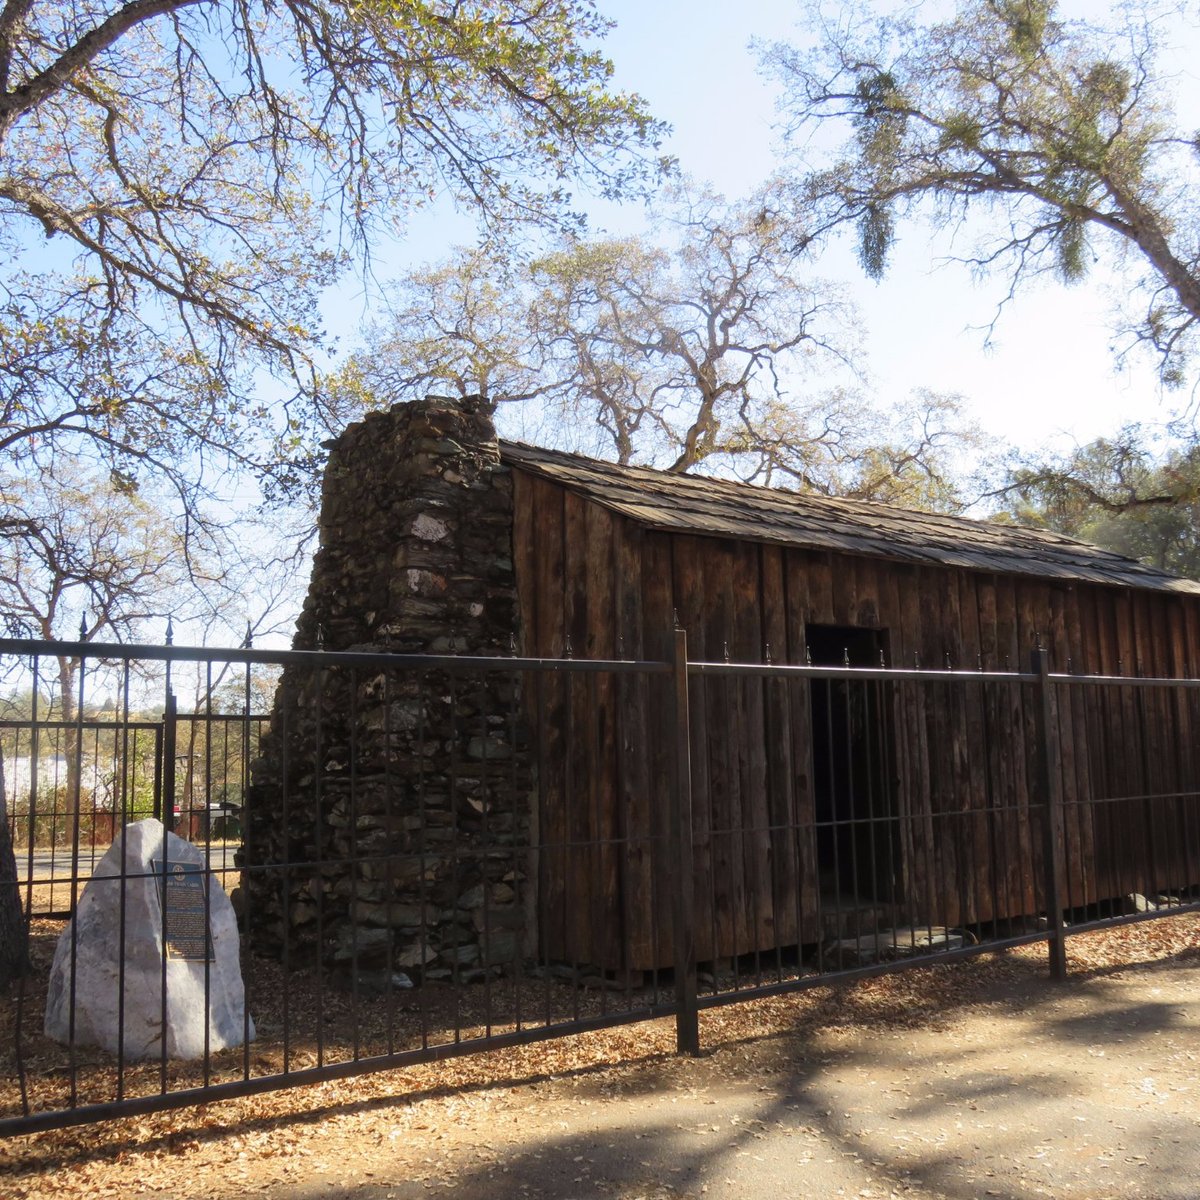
[723, 508]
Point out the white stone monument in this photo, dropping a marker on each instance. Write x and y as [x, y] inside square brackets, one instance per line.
[120, 919]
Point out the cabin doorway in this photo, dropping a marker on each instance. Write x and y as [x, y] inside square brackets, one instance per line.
[858, 843]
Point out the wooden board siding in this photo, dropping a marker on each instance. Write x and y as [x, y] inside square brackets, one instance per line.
[1184, 753]
[796, 584]
[784, 780]
[959, 818]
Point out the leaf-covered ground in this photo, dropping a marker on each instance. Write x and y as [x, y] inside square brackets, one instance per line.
[969, 1080]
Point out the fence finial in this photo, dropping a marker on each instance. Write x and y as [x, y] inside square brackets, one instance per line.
[320, 636]
[845, 656]
[725, 652]
[83, 628]
[949, 667]
[248, 642]
[620, 645]
[512, 643]
[675, 618]
[808, 656]
[170, 632]
[882, 660]
[767, 653]
[568, 650]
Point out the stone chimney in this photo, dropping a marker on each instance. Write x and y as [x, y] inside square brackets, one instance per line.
[387, 824]
[416, 535]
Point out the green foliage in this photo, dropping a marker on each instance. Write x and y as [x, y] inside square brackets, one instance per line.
[1072, 250]
[962, 130]
[1106, 86]
[876, 232]
[875, 92]
[1026, 23]
[1055, 137]
[1121, 494]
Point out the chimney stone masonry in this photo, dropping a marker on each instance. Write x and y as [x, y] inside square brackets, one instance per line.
[387, 825]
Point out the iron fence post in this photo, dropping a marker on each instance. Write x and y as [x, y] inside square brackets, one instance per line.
[156, 803]
[687, 1023]
[168, 763]
[1050, 787]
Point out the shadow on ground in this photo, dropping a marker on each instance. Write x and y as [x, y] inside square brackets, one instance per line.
[869, 1087]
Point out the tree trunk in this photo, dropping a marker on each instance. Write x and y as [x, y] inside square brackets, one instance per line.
[14, 937]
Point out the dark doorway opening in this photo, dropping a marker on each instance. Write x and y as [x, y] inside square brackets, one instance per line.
[858, 843]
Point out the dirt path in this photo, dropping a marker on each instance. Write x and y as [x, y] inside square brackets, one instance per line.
[958, 1083]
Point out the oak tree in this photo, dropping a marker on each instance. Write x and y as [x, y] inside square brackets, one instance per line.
[1121, 492]
[1053, 139]
[709, 345]
[72, 551]
[179, 179]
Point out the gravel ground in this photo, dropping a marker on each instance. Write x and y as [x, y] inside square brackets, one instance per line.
[955, 1082]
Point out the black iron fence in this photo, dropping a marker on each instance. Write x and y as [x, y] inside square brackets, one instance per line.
[427, 856]
[70, 786]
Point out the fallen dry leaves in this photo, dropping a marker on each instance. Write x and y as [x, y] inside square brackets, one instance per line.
[254, 1144]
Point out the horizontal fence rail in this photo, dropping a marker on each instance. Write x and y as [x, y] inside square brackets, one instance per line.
[420, 856]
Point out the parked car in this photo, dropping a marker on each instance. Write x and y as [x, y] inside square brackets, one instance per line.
[219, 821]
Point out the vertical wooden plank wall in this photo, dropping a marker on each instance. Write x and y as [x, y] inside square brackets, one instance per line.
[784, 776]
[960, 758]
[538, 560]
[797, 600]
[704, 599]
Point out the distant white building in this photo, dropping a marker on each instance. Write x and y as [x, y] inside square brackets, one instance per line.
[98, 784]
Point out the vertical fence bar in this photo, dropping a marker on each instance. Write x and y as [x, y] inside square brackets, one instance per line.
[167, 802]
[159, 770]
[687, 1023]
[1050, 786]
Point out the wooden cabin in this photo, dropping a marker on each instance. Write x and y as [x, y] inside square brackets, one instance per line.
[816, 800]
[940, 820]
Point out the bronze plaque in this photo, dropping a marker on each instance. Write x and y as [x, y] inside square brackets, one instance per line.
[184, 895]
